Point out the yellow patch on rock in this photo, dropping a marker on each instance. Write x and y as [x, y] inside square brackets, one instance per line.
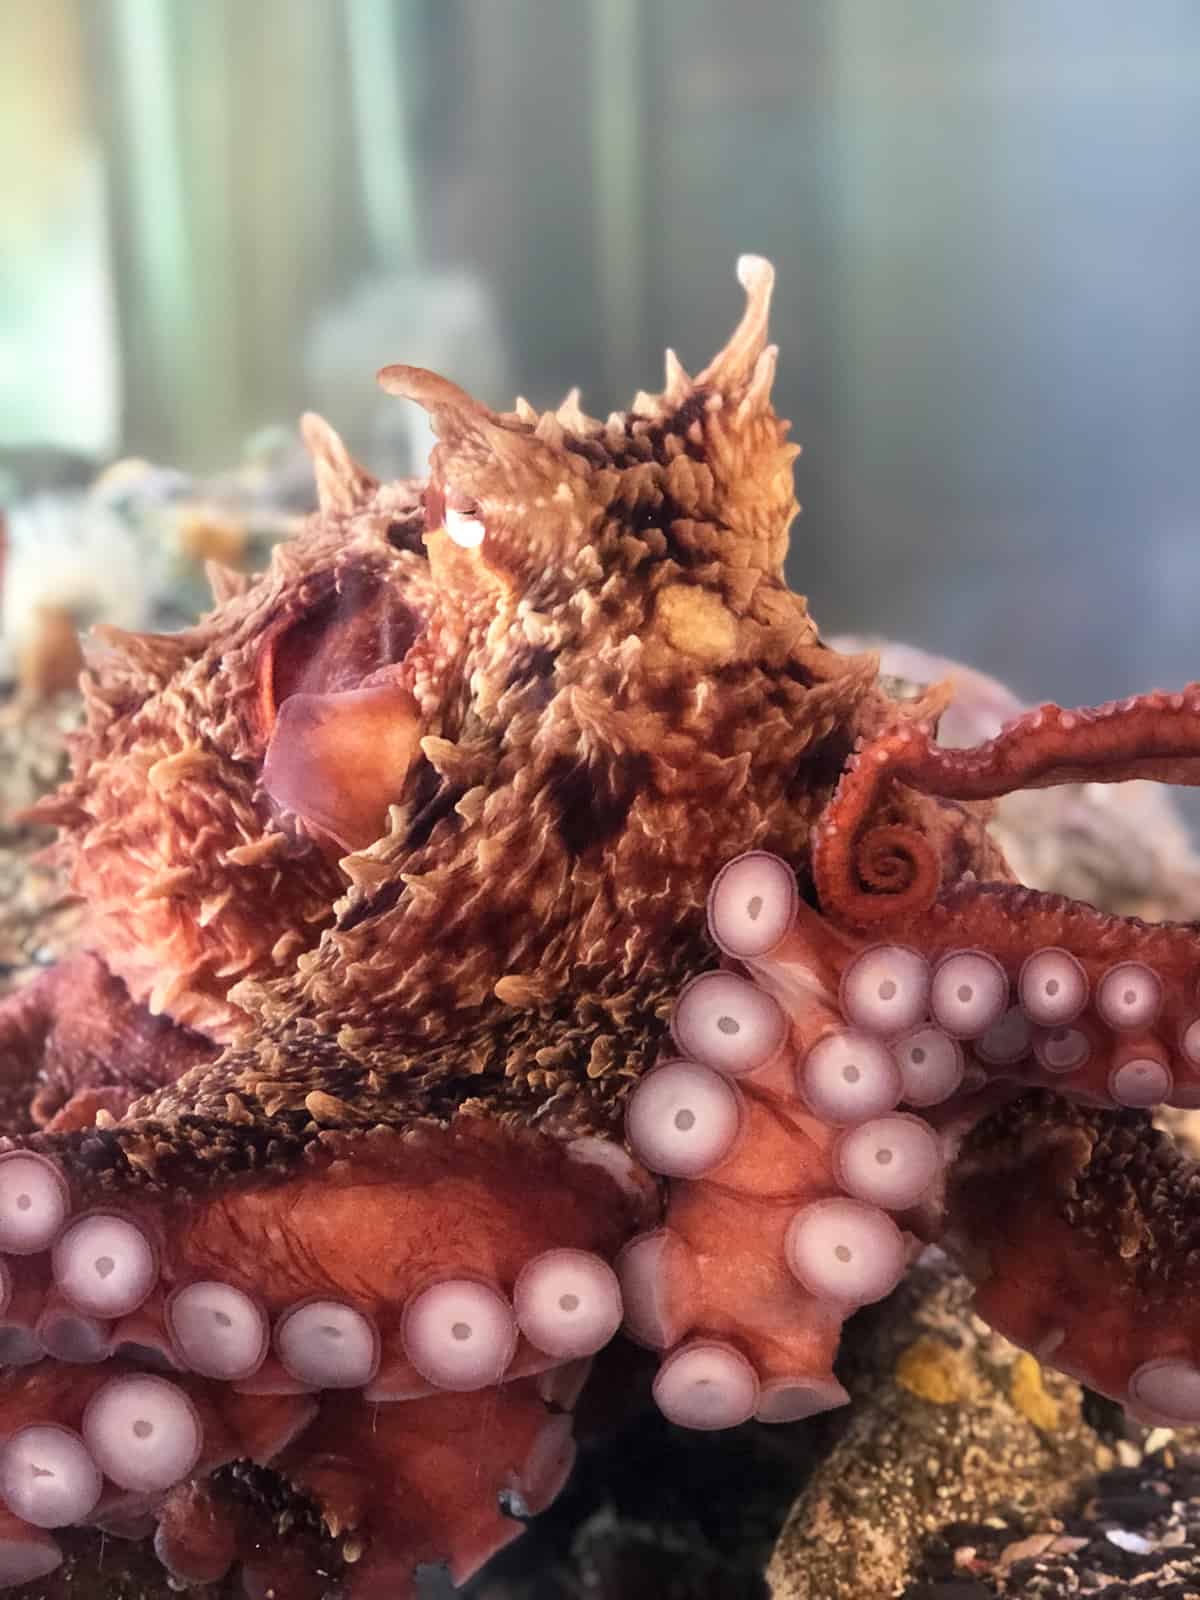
[1029, 1396]
[697, 623]
[933, 1371]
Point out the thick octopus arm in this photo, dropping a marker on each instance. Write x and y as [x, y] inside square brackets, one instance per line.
[1073, 1223]
[810, 1135]
[435, 1286]
[439, 1479]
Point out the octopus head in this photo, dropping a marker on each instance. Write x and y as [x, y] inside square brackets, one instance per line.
[520, 713]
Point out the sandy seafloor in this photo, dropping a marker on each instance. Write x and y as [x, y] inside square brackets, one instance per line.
[961, 1472]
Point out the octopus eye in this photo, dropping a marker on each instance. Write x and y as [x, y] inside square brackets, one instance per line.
[458, 514]
[466, 531]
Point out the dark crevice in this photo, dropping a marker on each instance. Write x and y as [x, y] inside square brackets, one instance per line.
[594, 803]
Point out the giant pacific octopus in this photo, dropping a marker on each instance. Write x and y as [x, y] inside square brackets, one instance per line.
[507, 927]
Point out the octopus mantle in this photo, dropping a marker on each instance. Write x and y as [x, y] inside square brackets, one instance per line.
[509, 927]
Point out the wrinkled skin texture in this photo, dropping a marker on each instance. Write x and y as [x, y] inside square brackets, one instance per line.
[394, 867]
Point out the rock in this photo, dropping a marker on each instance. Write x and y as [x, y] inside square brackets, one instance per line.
[947, 1421]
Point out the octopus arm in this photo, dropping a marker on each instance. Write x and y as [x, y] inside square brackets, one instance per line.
[76, 1032]
[387, 1321]
[871, 869]
[1075, 1223]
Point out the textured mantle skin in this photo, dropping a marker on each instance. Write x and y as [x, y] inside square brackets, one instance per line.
[394, 867]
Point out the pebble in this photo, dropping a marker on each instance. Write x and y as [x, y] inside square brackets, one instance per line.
[1134, 1536]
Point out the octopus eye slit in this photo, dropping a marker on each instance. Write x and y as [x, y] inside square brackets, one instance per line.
[466, 531]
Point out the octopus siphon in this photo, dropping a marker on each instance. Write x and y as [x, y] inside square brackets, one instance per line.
[509, 928]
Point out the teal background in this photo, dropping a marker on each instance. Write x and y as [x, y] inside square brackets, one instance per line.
[984, 216]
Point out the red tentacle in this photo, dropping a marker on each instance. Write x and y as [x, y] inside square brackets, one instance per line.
[868, 872]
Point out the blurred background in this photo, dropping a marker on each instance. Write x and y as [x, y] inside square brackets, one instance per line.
[986, 221]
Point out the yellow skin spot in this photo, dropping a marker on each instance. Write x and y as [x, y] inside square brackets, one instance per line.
[932, 1371]
[697, 623]
[1029, 1396]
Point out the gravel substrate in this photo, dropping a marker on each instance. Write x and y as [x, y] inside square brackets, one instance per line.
[1134, 1535]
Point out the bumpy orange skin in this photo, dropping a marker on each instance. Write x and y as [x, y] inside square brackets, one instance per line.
[393, 866]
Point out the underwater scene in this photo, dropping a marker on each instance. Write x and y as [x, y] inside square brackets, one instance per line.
[599, 894]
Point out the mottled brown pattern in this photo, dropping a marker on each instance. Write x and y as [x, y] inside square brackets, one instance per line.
[393, 867]
[593, 707]
[616, 691]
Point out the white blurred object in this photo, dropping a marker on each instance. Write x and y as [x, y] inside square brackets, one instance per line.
[69, 554]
